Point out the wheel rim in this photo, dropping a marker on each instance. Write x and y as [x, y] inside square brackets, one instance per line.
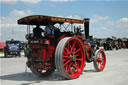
[73, 58]
[100, 60]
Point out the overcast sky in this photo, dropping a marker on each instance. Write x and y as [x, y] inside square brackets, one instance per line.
[108, 17]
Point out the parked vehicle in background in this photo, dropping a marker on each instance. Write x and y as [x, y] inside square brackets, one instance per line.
[13, 47]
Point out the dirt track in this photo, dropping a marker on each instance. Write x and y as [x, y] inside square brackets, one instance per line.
[12, 72]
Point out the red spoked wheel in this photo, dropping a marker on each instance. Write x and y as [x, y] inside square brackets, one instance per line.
[99, 60]
[70, 57]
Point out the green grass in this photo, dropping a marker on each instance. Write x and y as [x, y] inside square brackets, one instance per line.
[1, 52]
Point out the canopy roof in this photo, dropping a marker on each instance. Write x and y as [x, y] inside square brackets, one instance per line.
[44, 20]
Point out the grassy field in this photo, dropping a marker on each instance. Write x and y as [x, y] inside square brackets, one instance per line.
[1, 52]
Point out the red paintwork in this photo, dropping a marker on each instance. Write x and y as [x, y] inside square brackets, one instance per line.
[61, 37]
[2, 45]
[39, 52]
[66, 34]
[80, 38]
[49, 36]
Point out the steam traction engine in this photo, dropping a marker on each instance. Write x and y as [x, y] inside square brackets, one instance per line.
[67, 50]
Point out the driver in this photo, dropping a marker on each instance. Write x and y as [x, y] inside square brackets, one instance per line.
[37, 31]
[49, 29]
[49, 32]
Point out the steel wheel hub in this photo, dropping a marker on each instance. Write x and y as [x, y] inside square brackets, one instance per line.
[72, 57]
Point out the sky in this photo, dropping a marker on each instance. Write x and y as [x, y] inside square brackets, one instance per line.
[107, 17]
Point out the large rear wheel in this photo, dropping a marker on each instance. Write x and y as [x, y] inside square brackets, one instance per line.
[69, 57]
[99, 60]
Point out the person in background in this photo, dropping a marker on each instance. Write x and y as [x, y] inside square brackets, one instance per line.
[37, 31]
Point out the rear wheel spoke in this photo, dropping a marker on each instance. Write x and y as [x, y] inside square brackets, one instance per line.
[67, 57]
[79, 59]
[77, 55]
[67, 50]
[73, 46]
[66, 68]
[66, 62]
[69, 67]
[77, 50]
